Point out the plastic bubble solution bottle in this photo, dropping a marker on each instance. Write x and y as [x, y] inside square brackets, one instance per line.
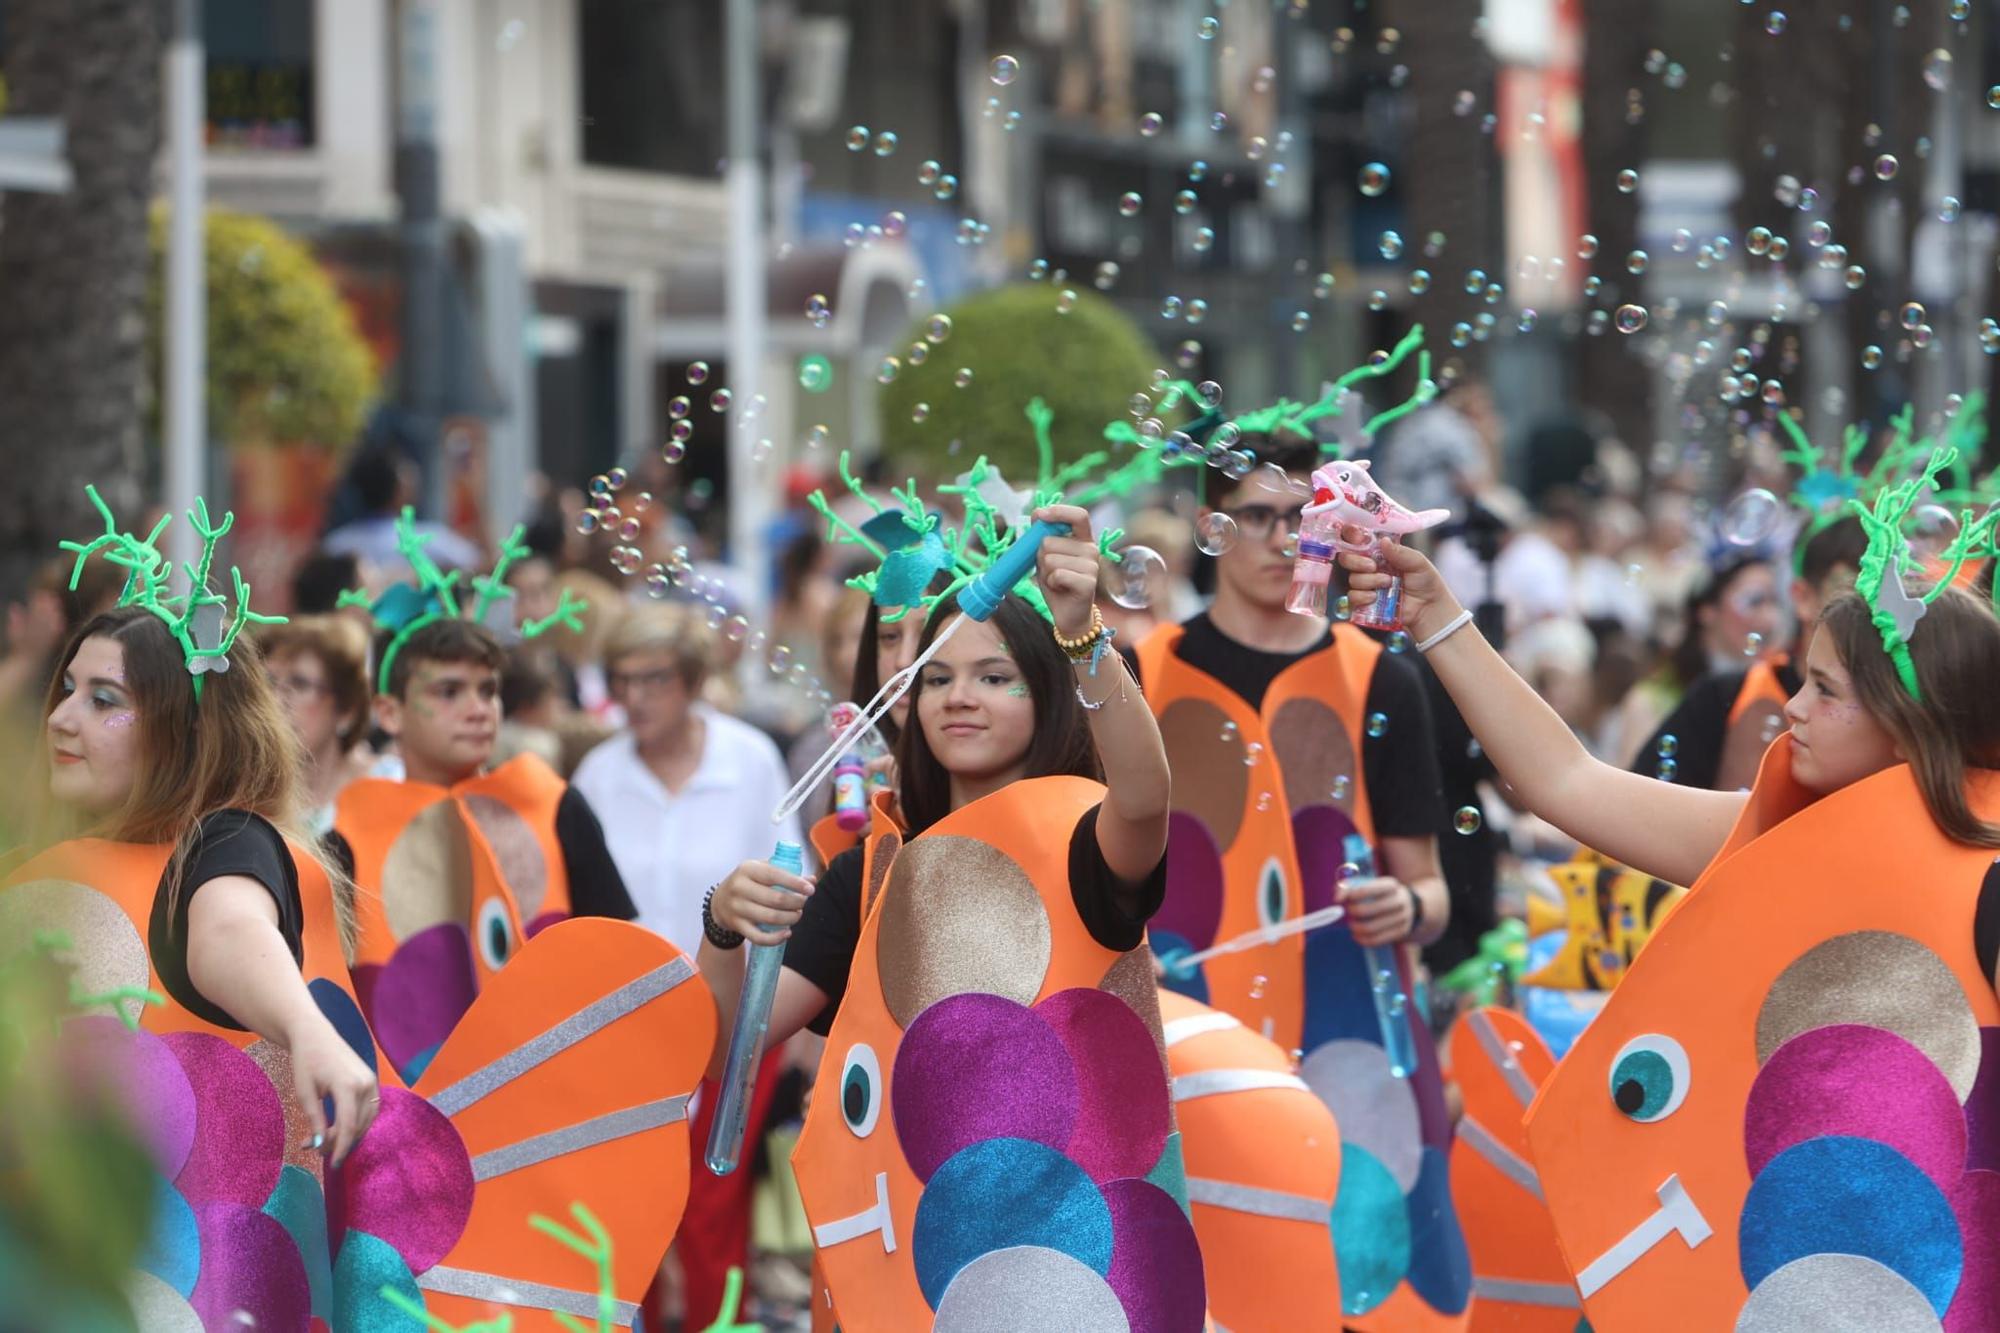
[1312, 569]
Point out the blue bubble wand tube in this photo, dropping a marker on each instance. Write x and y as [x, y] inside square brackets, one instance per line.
[978, 599]
[1385, 978]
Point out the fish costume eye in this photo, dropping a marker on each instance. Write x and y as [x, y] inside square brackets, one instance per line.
[861, 1089]
[496, 934]
[1271, 894]
[1649, 1078]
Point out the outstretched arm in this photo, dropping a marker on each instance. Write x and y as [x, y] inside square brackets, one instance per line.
[1659, 828]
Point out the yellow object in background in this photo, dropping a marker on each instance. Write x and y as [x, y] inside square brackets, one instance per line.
[1610, 910]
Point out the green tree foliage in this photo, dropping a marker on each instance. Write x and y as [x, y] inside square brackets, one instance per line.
[285, 361]
[1086, 364]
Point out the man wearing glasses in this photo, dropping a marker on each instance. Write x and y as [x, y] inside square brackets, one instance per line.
[1287, 735]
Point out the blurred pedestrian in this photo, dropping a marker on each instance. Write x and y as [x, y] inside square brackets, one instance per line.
[319, 666]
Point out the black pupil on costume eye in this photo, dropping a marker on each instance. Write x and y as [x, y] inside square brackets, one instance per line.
[497, 931]
[1630, 1096]
[854, 1097]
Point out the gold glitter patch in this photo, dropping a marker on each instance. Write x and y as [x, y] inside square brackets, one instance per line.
[1313, 752]
[1744, 745]
[427, 875]
[105, 951]
[959, 916]
[1877, 979]
[276, 1063]
[1211, 781]
[515, 848]
[879, 862]
[1131, 980]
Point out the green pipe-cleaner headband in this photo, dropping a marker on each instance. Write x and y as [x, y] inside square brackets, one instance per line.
[1895, 610]
[406, 608]
[200, 621]
[1828, 483]
[1286, 416]
[914, 545]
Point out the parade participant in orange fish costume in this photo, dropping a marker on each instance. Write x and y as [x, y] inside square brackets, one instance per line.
[456, 865]
[1263, 1168]
[993, 1140]
[174, 902]
[1301, 750]
[1785, 1116]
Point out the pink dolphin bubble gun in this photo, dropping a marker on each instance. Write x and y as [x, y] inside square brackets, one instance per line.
[1345, 493]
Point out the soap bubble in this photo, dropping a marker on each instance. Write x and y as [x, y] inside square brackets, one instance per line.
[1628, 181]
[1636, 262]
[1886, 167]
[1937, 70]
[1586, 246]
[1215, 532]
[937, 328]
[1466, 820]
[815, 374]
[1130, 203]
[1184, 202]
[1631, 318]
[1204, 240]
[1151, 124]
[1774, 22]
[1004, 70]
[963, 376]
[1207, 29]
[1374, 179]
[697, 372]
[857, 138]
[920, 413]
[1751, 517]
[1139, 576]
[718, 402]
[1391, 245]
[586, 522]
[888, 369]
[1912, 314]
[1377, 725]
[1301, 321]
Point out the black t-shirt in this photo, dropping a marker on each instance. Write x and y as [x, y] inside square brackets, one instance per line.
[1700, 727]
[1400, 766]
[595, 886]
[227, 842]
[823, 941]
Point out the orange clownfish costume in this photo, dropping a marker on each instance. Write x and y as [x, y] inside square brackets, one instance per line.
[993, 1140]
[1788, 1114]
[1263, 1169]
[434, 916]
[563, 1084]
[1266, 802]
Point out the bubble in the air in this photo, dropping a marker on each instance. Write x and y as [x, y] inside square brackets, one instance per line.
[887, 369]
[718, 402]
[857, 138]
[1197, 310]
[1219, 121]
[817, 436]
[1301, 321]
[1937, 69]
[920, 413]
[815, 374]
[697, 372]
[1252, 753]
[1886, 167]
[1856, 277]
[1323, 286]
[1636, 262]
[1464, 103]
[1949, 208]
[1993, 97]
[1140, 575]
[1130, 203]
[937, 328]
[1065, 301]
[1666, 769]
[1215, 532]
[946, 187]
[1391, 245]
[1586, 246]
[1819, 233]
[1466, 820]
[586, 522]
[1204, 239]
[1628, 181]
[1207, 28]
[928, 171]
[1912, 314]
[1631, 318]
[1004, 70]
[1751, 517]
[1377, 724]
[1374, 179]
[1753, 644]
[682, 430]
[1184, 202]
[1774, 22]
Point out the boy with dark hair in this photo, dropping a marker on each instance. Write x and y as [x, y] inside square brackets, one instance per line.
[1717, 736]
[455, 865]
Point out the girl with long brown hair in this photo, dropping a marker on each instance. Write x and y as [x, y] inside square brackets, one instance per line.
[200, 797]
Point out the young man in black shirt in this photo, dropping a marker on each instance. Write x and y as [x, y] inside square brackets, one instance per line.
[1342, 722]
[1717, 735]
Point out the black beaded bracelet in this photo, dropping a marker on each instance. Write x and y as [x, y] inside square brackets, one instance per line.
[721, 936]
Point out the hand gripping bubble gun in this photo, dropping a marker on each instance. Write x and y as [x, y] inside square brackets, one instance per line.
[1385, 977]
[853, 784]
[1344, 493]
[978, 599]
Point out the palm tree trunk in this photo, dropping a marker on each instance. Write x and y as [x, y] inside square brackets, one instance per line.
[74, 269]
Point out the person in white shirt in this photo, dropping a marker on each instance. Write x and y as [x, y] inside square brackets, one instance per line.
[685, 793]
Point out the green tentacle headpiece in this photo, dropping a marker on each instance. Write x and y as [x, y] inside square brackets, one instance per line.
[200, 621]
[1895, 609]
[915, 546]
[1829, 481]
[405, 608]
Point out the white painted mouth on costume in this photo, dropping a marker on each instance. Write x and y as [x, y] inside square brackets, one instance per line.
[1677, 1214]
[864, 1223]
